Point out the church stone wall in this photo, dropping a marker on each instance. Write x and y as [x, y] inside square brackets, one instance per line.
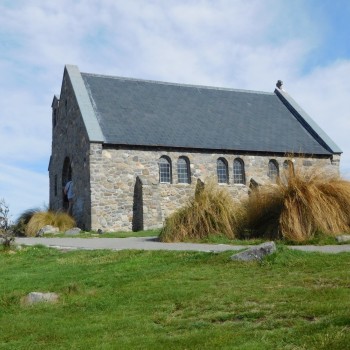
[118, 174]
[70, 141]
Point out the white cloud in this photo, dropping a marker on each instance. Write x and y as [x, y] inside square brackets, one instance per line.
[23, 189]
[25, 127]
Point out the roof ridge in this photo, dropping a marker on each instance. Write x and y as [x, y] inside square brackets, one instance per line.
[178, 84]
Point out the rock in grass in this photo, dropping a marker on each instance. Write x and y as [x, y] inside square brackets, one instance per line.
[37, 297]
[343, 238]
[255, 253]
[47, 229]
[73, 231]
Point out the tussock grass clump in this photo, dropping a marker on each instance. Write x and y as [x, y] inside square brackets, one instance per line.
[262, 212]
[40, 219]
[23, 219]
[299, 206]
[211, 211]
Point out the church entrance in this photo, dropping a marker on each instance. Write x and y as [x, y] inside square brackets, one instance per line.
[137, 209]
[66, 176]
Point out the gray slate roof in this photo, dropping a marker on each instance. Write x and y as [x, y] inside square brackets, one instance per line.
[148, 113]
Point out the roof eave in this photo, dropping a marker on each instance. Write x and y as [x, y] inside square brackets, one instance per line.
[311, 126]
[92, 125]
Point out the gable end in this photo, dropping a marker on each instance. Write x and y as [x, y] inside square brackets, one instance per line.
[87, 112]
[307, 122]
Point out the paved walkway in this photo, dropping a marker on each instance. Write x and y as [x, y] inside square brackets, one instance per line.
[152, 243]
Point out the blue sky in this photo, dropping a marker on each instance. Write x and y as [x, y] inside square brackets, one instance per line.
[229, 43]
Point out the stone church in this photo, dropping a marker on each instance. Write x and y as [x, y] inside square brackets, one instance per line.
[134, 149]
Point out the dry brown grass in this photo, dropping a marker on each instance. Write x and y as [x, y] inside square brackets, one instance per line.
[299, 206]
[40, 219]
[211, 211]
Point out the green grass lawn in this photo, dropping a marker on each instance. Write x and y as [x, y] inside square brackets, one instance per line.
[175, 300]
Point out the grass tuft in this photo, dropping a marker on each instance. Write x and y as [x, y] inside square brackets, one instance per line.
[299, 207]
[211, 211]
[23, 219]
[40, 219]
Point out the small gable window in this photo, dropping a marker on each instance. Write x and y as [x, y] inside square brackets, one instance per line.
[222, 171]
[55, 185]
[183, 170]
[164, 169]
[54, 122]
[238, 171]
[273, 171]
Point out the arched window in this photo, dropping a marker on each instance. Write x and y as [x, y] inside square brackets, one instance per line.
[55, 185]
[183, 170]
[54, 117]
[164, 170]
[66, 171]
[288, 166]
[273, 172]
[222, 171]
[238, 171]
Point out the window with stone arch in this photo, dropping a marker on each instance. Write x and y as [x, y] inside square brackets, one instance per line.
[238, 171]
[222, 171]
[273, 171]
[183, 170]
[165, 170]
[66, 171]
[288, 166]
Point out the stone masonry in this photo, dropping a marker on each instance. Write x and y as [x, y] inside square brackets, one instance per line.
[114, 173]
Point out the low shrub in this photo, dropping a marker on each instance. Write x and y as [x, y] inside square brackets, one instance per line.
[212, 210]
[6, 233]
[40, 219]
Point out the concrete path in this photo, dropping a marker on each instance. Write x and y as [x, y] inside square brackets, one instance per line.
[143, 243]
[323, 248]
[152, 243]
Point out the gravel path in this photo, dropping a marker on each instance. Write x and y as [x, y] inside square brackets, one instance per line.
[152, 243]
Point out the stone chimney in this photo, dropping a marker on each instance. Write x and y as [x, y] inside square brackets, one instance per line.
[279, 84]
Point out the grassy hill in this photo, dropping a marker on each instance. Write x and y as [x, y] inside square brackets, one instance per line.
[174, 300]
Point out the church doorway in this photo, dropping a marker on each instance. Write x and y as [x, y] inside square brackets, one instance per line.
[137, 209]
[66, 176]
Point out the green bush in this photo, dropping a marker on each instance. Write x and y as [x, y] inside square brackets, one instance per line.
[6, 233]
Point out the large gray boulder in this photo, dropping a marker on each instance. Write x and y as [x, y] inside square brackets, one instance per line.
[255, 253]
[37, 297]
[343, 238]
[47, 229]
